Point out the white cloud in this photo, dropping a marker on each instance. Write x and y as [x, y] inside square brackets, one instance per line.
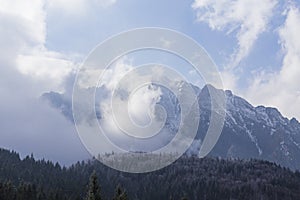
[142, 103]
[23, 38]
[134, 100]
[45, 66]
[114, 74]
[229, 79]
[142, 100]
[246, 18]
[27, 18]
[282, 89]
[28, 68]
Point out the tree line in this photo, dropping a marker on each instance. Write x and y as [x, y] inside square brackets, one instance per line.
[26, 191]
[188, 178]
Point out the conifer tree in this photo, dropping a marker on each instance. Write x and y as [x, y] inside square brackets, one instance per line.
[94, 192]
[120, 194]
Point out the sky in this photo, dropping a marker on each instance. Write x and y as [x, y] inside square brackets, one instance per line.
[255, 45]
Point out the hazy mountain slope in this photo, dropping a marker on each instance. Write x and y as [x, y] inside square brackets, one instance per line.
[249, 132]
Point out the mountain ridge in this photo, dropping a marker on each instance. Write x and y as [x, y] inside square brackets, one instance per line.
[249, 131]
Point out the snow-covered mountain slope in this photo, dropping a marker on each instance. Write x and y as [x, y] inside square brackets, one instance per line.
[254, 132]
[248, 132]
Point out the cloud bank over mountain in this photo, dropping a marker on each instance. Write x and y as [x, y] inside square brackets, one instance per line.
[43, 42]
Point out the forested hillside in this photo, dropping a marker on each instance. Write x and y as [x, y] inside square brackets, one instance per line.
[189, 177]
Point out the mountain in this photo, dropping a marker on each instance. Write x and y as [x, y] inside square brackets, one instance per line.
[254, 132]
[189, 177]
[249, 132]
